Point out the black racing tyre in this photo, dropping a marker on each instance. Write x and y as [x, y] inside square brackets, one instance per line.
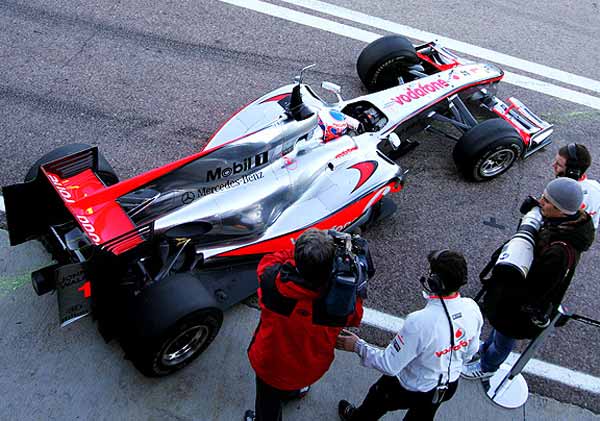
[181, 344]
[169, 324]
[382, 61]
[105, 171]
[487, 150]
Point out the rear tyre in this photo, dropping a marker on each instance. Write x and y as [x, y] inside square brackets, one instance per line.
[184, 341]
[381, 62]
[169, 324]
[105, 172]
[487, 150]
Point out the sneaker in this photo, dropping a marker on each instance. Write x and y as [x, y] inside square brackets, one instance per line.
[249, 415]
[474, 372]
[297, 394]
[345, 410]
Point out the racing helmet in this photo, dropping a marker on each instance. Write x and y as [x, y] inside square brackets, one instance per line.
[333, 123]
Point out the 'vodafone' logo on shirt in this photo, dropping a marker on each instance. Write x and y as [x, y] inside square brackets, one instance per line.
[462, 343]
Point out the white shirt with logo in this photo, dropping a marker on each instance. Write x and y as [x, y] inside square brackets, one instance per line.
[591, 198]
[420, 352]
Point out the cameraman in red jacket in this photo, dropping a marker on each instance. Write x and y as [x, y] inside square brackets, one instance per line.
[293, 345]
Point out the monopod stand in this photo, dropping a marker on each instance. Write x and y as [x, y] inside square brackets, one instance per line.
[508, 388]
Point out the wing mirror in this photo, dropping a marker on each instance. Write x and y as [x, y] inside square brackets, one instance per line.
[332, 87]
[394, 140]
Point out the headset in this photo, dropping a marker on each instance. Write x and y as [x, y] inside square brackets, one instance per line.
[435, 283]
[572, 169]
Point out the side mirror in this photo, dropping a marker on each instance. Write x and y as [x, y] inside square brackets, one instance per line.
[332, 87]
[298, 78]
[394, 140]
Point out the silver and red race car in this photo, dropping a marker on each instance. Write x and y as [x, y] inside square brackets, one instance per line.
[157, 258]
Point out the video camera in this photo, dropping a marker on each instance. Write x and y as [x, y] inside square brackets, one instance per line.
[352, 268]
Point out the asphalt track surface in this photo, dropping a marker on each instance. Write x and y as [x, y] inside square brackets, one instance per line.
[149, 83]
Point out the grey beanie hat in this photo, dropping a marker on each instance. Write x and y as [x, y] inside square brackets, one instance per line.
[564, 193]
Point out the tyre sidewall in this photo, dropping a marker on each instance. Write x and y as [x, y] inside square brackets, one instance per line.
[154, 315]
[383, 54]
[379, 74]
[501, 144]
[481, 141]
[207, 317]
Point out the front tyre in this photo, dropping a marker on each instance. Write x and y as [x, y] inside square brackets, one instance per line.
[384, 60]
[487, 150]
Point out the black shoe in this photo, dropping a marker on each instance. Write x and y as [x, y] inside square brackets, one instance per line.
[249, 415]
[345, 410]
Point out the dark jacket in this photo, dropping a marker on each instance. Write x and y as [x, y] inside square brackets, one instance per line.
[510, 305]
[293, 345]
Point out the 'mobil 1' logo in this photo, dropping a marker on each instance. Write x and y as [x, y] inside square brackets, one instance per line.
[238, 167]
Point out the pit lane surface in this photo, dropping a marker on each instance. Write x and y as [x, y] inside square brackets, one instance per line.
[149, 84]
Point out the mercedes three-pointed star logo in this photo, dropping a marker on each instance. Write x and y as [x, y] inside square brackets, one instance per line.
[188, 197]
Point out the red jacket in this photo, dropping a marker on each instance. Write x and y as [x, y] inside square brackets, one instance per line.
[294, 341]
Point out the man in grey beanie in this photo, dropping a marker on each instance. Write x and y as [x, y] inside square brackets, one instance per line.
[520, 310]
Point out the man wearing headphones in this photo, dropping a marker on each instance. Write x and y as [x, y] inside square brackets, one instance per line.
[572, 161]
[422, 364]
[520, 310]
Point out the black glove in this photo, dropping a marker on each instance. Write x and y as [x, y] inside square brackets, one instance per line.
[529, 203]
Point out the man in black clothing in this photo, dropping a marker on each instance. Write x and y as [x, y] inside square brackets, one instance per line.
[520, 309]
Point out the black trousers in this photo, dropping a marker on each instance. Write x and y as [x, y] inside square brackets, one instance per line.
[268, 405]
[387, 394]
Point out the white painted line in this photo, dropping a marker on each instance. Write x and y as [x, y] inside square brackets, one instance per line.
[366, 36]
[458, 46]
[559, 374]
[382, 321]
[534, 367]
[2, 208]
[305, 19]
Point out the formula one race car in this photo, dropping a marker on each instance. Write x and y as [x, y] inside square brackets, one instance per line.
[158, 257]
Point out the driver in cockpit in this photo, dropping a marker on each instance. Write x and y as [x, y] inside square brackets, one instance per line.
[333, 124]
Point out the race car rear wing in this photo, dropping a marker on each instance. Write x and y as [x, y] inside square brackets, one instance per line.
[56, 196]
[34, 205]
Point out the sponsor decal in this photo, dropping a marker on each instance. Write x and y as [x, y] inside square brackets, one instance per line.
[421, 90]
[189, 196]
[463, 343]
[366, 169]
[89, 229]
[62, 190]
[74, 291]
[346, 152]
[456, 316]
[459, 334]
[341, 227]
[290, 163]
[238, 167]
[398, 342]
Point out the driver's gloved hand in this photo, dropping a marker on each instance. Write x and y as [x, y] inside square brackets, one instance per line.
[529, 203]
